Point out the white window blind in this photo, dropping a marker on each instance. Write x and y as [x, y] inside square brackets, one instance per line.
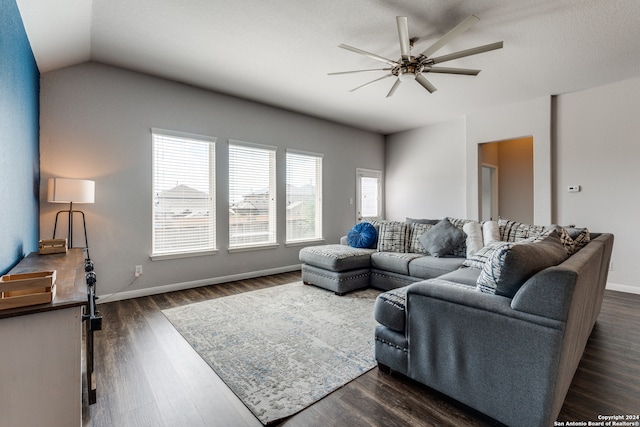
[252, 195]
[304, 196]
[183, 193]
[369, 194]
[369, 197]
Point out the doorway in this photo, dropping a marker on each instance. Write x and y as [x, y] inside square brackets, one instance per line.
[368, 194]
[489, 193]
[510, 193]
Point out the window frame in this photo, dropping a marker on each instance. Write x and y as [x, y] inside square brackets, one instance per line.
[319, 208]
[178, 137]
[272, 225]
[369, 173]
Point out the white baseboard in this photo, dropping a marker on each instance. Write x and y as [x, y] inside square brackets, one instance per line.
[136, 293]
[623, 288]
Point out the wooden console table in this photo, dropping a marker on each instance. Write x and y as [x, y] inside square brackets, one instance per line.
[41, 348]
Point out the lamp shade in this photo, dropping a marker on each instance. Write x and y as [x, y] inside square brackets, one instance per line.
[64, 190]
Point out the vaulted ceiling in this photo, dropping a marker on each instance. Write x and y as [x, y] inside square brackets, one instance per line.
[279, 52]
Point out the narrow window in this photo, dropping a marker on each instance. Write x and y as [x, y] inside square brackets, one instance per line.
[252, 195]
[304, 196]
[183, 193]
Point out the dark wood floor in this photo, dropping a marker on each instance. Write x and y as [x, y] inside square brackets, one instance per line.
[147, 375]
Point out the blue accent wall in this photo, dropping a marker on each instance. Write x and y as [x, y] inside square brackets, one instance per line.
[19, 140]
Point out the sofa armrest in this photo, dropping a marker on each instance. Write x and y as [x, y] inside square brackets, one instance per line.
[547, 293]
[477, 349]
[344, 241]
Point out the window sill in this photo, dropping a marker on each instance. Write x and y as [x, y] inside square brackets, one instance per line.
[304, 242]
[253, 248]
[160, 257]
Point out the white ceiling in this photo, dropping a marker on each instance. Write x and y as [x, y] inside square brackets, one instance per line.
[279, 52]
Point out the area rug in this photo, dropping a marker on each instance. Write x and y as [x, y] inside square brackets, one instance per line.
[282, 348]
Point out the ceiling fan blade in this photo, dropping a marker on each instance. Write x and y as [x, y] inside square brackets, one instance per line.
[357, 71]
[467, 52]
[369, 54]
[403, 35]
[452, 34]
[371, 82]
[448, 70]
[395, 86]
[425, 83]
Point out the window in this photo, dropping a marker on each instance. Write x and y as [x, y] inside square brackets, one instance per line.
[252, 195]
[369, 194]
[183, 193]
[304, 196]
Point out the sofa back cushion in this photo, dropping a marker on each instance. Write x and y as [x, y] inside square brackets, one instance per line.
[512, 263]
[417, 230]
[514, 231]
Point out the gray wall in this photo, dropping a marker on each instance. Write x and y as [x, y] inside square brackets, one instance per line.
[595, 145]
[95, 124]
[426, 172]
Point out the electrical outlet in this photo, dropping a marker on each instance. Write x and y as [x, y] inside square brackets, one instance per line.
[138, 271]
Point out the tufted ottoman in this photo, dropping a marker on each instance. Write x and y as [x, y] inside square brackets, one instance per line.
[338, 268]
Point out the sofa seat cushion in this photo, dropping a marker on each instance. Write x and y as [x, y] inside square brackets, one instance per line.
[395, 262]
[428, 267]
[336, 257]
[464, 275]
[389, 309]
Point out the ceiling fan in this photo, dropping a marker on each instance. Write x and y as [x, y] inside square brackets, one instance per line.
[414, 67]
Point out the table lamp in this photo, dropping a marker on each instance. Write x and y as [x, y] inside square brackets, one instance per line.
[64, 190]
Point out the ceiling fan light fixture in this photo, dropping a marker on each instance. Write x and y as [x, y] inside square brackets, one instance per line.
[407, 76]
[412, 67]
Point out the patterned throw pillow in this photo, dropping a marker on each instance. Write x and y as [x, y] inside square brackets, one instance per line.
[417, 230]
[460, 250]
[573, 239]
[478, 259]
[581, 239]
[512, 263]
[393, 236]
[513, 231]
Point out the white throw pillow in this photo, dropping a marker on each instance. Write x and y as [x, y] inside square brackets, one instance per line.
[473, 230]
[490, 232]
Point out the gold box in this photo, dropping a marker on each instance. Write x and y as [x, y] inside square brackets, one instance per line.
[52, 246]
[19, 290]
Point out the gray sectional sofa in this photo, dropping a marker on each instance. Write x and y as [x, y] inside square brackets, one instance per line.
[509, 351]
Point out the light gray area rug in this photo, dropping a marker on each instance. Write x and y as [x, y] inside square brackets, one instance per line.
[283, 348]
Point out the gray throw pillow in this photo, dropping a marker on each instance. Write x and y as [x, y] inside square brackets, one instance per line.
[422, 221]
[442, 238]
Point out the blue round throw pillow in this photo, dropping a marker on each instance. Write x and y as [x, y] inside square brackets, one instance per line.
[362, 235]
